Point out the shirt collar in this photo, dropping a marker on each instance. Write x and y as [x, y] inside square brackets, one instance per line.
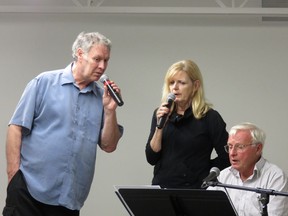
[67, 75]
[68, 78]
[258, 166]
[175, 117]
[257, 169]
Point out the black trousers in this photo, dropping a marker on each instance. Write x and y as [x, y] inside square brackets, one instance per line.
[19, 202]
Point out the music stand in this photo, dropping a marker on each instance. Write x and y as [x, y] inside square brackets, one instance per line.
[175, 202]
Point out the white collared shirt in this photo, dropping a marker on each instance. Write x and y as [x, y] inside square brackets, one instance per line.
[265, 176]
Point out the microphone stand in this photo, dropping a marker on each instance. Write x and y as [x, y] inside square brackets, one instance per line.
[264, 193]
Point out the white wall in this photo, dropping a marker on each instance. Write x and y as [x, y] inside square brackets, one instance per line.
[243, 61]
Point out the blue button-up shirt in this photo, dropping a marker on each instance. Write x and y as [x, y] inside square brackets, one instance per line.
[61, 129]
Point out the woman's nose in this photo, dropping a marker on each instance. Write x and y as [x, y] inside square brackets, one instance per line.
[175, 85]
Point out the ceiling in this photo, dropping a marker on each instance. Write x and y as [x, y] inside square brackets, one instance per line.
[278, 8]
[130, 3]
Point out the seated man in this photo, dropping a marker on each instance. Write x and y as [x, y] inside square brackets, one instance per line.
[249, 169]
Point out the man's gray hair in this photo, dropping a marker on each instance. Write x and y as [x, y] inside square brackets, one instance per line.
[257, 134]
[85, 41]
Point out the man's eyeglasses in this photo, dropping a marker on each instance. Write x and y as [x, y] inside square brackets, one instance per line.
[237, 147]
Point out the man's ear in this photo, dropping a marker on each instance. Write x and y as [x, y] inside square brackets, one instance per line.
[80, 54]
[259, 148]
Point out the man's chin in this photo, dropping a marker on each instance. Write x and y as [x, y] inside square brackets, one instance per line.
[235, 165]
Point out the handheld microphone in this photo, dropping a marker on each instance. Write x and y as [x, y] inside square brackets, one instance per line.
[214, 173]
[117, 98]
[170, 99]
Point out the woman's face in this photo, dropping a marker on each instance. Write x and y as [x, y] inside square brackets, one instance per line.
[182, 86]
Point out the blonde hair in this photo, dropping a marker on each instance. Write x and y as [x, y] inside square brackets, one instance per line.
[199, 104]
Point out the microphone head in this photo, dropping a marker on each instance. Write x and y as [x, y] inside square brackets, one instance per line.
[215, 170]
[171, 96]
[103, 78]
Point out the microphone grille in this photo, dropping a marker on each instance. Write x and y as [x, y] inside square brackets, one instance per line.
[171, 96]
[216, 170]
[103, 78]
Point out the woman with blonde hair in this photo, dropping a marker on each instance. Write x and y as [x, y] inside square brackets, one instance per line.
[180, 149]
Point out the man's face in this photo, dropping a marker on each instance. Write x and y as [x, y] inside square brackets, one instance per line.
[242, 154]
[94, 63]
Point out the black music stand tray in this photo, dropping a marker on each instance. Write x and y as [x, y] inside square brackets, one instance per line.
[175, 202]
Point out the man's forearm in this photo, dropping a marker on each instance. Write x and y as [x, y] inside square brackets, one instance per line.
[110, 133]
[13, 146]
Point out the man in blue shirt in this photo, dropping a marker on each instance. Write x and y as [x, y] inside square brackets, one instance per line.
[53, 134]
